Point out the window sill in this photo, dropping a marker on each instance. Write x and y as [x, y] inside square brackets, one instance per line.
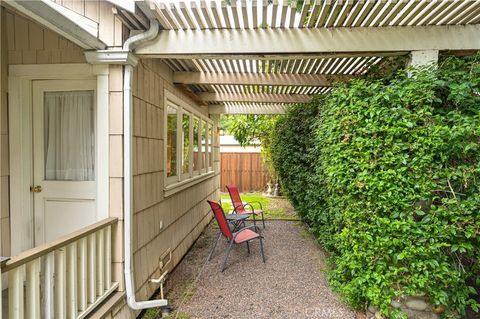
[179, 186]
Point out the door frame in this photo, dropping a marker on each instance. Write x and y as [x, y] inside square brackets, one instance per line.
[20, 91]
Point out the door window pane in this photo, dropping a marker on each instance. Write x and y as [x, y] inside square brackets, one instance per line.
[69, 136]
[196, 130]
[171, 141]
[186, 142]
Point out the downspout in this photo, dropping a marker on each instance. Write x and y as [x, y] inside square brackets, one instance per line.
[129, 45]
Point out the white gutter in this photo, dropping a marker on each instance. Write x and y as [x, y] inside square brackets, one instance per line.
[131, 43]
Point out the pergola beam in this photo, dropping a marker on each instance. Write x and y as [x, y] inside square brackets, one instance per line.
[233, 43]
[254, 97]
[205, 78]
[247, 108]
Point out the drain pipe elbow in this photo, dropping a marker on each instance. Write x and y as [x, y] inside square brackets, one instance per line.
[134, 41]
[129, 45]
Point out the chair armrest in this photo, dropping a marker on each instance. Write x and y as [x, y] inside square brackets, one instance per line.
[256, 202]
[244, 206]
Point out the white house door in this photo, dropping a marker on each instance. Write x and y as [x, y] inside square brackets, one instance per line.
[64, 165]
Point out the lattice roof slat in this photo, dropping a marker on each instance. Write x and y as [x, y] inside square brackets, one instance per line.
[250, 15]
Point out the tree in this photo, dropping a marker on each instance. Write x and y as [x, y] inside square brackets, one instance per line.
[252, 129]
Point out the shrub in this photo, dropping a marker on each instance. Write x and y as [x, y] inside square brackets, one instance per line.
[291, 151]
[388, 177]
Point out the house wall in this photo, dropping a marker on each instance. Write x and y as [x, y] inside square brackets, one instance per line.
[110, 29]
[23, 42]
[160, 223]
[184, 214]
[30, 43]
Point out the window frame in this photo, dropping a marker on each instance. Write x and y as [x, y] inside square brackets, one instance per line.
[210, 138]
[198, 169]
[173, 178]
[173, 184]
[190, 149]
[203, 146]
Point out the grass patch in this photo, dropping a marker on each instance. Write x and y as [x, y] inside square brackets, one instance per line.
[248, 198]
[179, 315]
[152, 313]
[185, 295]
[189, 291]
[271, 210]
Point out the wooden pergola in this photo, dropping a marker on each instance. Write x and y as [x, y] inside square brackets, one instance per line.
[255, 56]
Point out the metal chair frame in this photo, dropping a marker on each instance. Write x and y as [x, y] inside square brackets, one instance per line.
[236, 220]
[241, 208]
[231, 236]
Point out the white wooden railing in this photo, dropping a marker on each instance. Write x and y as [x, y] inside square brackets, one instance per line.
[66, 278]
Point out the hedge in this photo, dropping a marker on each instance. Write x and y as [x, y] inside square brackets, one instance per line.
[386, 173]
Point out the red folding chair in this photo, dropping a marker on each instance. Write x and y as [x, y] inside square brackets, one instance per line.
[235, 221]
[244, 235]
[240, 207]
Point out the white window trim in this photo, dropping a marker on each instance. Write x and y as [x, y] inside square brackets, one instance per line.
[174, 184]
[20, 88]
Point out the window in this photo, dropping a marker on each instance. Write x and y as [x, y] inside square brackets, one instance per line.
[204, 145]
[210, 145]
[186, 143]
[69, 133]
[171, 141]
[188, 147]
[196, 132]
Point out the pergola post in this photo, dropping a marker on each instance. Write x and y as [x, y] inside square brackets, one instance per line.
[425, 57]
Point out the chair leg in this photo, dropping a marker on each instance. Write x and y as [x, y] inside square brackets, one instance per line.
[226, 257]
[254, 221]
[235, 225]
[214, 246]
[263, 221]
[248, 248]
[261, 249]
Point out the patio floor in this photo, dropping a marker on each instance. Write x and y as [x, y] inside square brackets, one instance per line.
[290, 285]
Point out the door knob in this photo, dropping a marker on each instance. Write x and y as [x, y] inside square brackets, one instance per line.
[36, 189]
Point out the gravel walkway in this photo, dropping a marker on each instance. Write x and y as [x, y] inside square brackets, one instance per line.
[290, 285]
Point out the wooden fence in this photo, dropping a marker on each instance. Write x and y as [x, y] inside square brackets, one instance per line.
[246, 170]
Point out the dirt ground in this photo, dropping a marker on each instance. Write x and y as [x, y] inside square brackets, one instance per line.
[291, 284]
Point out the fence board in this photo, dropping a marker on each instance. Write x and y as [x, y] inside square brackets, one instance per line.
[246, 170]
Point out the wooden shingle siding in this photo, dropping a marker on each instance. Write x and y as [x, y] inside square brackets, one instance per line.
[183, 215]
[30, 43]
[115, 82]
[111, 30]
